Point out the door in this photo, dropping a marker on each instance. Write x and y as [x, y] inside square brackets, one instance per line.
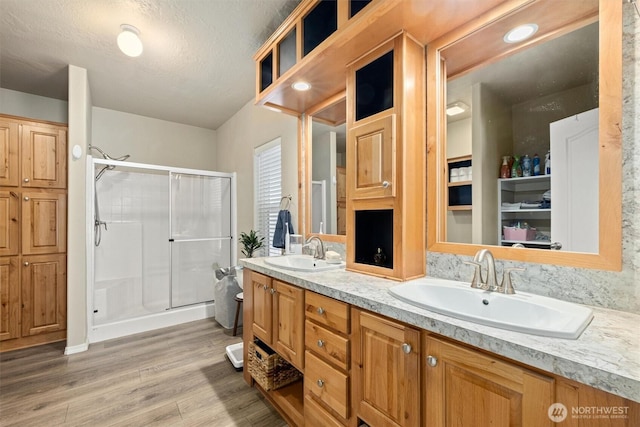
[200, 235]
[386, 371]
[44, 156]
[44, 294]
[262, 306]
[44, 222]
[464, 387]
[9, 153]
[9, 298]
[288, 323]
[9, 223]
[574, 182]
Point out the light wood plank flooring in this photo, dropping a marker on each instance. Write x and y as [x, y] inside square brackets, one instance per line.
[177, 376]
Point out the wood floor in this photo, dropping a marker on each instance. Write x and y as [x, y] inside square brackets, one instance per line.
[178, 376]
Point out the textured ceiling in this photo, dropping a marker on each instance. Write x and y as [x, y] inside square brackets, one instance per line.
[196, 67]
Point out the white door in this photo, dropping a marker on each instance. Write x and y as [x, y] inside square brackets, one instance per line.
[574, 182]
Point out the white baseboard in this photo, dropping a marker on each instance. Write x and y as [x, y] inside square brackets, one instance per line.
[151, 322]
[76, 349]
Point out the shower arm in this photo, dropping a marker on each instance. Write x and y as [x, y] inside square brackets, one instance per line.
[108, 157]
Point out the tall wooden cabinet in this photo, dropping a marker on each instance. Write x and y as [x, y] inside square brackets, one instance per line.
[33, 232]
[386, 158]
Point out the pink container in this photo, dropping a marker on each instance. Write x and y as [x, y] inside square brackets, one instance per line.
[523, 234]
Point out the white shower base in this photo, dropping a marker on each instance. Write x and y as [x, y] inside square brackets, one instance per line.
[153, 321]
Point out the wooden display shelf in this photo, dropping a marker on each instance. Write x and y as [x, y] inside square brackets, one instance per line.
[459, 183]
[288, 400]
[460, 208]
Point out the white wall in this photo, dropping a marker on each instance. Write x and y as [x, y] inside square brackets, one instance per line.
[32, 106]
[153, 141]
[249, 128]
[323, 167]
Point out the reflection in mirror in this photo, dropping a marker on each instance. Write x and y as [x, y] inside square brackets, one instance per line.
[517, 114]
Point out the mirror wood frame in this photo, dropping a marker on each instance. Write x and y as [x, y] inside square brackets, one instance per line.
[609, 256]
[305, 141]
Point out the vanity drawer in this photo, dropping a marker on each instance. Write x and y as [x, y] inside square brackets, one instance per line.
[327, 311]
[328, 345]
[316, 416]
[326, 384]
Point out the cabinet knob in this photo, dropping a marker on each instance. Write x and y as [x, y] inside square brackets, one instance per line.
[556, 246]
[26, 198]
[406, 348]
[320, 343]
[26, 180]
[432, 361]
[320, 311]
[273, 291]
[320, 383]
[385, 184]
[26, 263]
[265, 287]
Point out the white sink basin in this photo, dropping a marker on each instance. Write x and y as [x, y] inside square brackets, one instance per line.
[302, 263]
[521, 312]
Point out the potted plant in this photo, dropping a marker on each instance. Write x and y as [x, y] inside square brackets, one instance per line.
[251, 242]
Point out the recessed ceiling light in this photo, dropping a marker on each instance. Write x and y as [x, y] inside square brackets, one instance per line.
[129, 40]
[520, 33]
[456, 108]
[301, 86]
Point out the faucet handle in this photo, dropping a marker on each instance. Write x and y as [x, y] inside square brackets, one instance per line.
[477, 281]
[506, 287]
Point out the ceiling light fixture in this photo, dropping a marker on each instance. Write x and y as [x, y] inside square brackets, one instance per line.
[301, 86]
[520, 33]
[129, 40]
[456, 108]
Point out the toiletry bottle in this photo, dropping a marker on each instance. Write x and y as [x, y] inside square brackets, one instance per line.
[505, 172]
[526, 165]
[516, 170]
[536, 165]
[287, 243]
[547, 163]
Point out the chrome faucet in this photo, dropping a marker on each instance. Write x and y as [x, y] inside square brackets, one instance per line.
[318, 252]
[491, 282]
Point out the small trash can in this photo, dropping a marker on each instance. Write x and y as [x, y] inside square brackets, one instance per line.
[224, 295]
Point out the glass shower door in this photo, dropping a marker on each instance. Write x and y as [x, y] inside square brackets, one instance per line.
[200, 235]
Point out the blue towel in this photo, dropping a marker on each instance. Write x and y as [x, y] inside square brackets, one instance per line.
[284, 216]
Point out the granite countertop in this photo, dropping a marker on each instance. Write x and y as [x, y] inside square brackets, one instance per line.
[606, 356]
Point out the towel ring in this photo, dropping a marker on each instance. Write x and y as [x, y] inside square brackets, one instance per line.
[287, 202]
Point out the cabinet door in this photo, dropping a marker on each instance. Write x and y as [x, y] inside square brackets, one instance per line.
[262, 307]
[9, 153]
[465, 387]
[44, 294]
[44, 156]
[386, 371]
[373, 156]
[9, 298]
[288, 323]
[44, 223]
[9, 223]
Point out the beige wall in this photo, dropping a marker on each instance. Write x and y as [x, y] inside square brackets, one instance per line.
[153, 141]
[32, 106]
[249, 128]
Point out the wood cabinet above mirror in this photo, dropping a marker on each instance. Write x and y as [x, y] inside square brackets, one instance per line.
[463, 55]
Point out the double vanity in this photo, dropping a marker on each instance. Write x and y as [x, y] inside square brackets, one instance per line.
[400, 364]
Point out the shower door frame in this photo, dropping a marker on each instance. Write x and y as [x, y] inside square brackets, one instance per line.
[156, 321]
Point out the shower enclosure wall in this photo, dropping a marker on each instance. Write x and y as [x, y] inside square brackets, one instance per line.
[158, 235]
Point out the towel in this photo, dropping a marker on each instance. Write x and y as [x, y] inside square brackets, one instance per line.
[284, 217]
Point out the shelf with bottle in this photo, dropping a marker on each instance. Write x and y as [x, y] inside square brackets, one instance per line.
[460, 176]
[524, 166]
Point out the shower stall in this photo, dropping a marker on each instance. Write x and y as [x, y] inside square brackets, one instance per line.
[158, 235]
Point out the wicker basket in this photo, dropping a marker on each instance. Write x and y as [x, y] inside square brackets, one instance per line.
[268, 368]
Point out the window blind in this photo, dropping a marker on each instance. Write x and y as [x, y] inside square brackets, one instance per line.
[268, 192]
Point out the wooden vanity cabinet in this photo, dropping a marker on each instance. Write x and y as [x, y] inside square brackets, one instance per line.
[386, 370]
[33, 232]
[466, 387]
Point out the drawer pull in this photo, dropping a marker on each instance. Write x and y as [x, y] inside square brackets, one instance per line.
[320, 383]
[406, 348]
[26, 180]
[320, 343]
[385, 184]
[320, 311]
[432, 361]
[26, 263]
[265, 287]
[26, 198]
[273, 291]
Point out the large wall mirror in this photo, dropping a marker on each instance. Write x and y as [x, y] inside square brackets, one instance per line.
[553, 100]
[325, 171]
